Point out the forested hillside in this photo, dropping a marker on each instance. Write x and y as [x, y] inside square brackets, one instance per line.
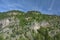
[31, 25]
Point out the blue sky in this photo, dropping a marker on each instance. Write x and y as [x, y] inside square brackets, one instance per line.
[45, 6]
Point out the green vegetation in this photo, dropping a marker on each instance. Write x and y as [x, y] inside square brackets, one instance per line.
[1, 37]
[27, 20]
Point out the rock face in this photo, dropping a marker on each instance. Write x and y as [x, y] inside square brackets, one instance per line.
[29, 26]
[35, 26]
[5, 22]
[45, 24]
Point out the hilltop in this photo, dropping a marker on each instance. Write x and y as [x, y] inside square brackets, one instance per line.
[31, 25]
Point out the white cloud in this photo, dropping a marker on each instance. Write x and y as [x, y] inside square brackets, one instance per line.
[51, 6]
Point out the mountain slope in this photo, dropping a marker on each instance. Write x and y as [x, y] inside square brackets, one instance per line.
[31, 25]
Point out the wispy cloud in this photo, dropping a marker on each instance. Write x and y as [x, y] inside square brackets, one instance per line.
[8, 5]
[51, 6]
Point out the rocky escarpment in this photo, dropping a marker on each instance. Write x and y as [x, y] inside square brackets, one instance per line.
[32, 25]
